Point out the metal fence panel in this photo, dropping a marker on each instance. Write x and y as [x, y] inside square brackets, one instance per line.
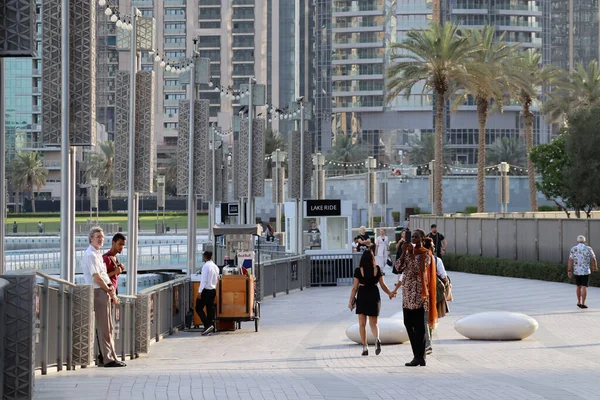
[526, 234]
[461, 235]
[489, 237]
[473, 236]
[506, 238]
[142, 323]
[549, 237]
[83, 324]
[17, 363]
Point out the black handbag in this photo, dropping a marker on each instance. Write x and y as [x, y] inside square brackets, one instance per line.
[389, 262]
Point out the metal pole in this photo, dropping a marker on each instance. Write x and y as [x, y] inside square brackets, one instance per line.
[65, 223]
[71, 232]
[191, 239]
[131, 206]
[2, 174]
[134, 253]
[213, 200]
[250, 213]
[301, 200]
[277, 191]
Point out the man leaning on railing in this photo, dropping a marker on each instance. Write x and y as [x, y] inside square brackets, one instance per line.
[95, 274]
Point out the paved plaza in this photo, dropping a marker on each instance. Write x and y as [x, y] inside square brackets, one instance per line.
[301, 352]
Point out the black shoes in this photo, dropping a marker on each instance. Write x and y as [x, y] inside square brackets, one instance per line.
[115, 364]
[377, 347]
[416, 363]
[582, 306]
[208, 330]
[365, 351]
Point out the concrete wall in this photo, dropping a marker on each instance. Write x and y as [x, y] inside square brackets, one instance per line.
[527, 239]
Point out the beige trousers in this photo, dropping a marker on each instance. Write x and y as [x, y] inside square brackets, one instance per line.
[104, 325]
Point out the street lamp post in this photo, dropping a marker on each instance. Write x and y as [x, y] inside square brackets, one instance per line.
[504, 187]
[250, 206]
[212, 216]
[432, 184]
[192, 201]
[300, 208]
[160, 199]
[371, 163]
[278, 179]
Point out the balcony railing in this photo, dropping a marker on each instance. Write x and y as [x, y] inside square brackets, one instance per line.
[174, 17]
[174, 2]
[172, 31]
[169, 46]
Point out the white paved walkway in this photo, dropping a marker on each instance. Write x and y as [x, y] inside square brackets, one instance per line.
[301, 352]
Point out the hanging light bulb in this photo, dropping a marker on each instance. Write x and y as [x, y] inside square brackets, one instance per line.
[129, 26]
[162, 63]
[119, 23]
[108, 11]
[270, 120]
[210, 84]
[243, 95]
[280, 116]
[157, 58]
[168, 68]
[272, 110]
[101, 3]
[247, 93]
[237, 97]
[114, 18]
[138, 12]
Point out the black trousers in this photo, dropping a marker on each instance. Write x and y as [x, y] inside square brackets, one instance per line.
[413, 321]
[207, 299]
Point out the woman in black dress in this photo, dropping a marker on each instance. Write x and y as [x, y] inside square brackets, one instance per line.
[368, 301]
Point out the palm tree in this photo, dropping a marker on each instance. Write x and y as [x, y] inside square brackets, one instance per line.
[423, 150]
[28, 174]
[571, 91]
[273, 141]
[438, 57]
[102, 166]
[488, 88]
[534, 76]
[171, 177]
[345, 150]
[509, 150]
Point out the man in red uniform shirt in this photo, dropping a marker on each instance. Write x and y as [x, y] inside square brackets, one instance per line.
[113, 266]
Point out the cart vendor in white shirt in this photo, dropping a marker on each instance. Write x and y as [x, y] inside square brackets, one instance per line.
[207, 293]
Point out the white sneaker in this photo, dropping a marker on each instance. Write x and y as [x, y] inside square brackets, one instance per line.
[208, 330]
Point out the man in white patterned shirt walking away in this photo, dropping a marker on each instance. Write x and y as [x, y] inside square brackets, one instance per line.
[207, 293]
[582, 257]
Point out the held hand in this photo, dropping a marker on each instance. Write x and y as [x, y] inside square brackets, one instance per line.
[115, 300]
[595, 269]
[570, 274]
[122, 267]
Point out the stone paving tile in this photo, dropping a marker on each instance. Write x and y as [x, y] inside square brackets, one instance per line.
[301, 352]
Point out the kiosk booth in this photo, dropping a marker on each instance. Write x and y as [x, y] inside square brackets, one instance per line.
[326, 237]
[235, 255]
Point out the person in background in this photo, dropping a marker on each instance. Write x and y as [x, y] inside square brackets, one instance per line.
[439, 241]
[581, 258]
[207, 293]
[382, 244]
[40, 227]
[15, 227]
[363, 239]
[368, 300]
[94, 273]
[418, 293]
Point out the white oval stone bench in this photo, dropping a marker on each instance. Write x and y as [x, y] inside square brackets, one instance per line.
[496, 325]
[391, 331]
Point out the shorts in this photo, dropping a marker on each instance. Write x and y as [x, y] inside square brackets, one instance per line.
[582, 280]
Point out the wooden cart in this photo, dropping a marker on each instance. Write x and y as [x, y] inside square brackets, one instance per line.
[236, 294]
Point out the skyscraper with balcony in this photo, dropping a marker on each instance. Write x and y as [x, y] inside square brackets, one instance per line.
[575, 32]
[359, 75]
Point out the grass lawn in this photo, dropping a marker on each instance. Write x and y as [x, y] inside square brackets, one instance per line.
[29, 223]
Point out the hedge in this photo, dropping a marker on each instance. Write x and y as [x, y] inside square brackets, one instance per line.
[540, 270]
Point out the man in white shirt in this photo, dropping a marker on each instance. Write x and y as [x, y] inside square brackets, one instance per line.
[207, 293]
[94, 273]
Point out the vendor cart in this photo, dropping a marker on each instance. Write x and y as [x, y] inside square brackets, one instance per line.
[236, 290]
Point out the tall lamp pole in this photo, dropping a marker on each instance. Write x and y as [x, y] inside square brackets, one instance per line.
[504, 187]
[278, 180]
[250, 206]
[192, 202]
[300, 207]
[371, 163]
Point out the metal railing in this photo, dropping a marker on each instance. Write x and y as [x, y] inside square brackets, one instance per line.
[3, 284]
[282, 276]
[333, 269]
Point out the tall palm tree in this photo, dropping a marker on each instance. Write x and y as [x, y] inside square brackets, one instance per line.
[102, 166]
[574, 90]
[438, 58]
[345, 150]
[509, 150]
[28, 174]
[487, 89]
[273, 141]
[534, 76]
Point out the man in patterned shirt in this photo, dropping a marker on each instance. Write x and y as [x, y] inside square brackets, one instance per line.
[582, 257]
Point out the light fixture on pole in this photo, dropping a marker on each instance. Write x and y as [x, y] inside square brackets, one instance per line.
[371, 187]
[278, 181]
[504, 187]
[300, 207]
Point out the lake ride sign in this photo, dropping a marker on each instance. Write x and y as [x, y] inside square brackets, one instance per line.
[323, 208]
